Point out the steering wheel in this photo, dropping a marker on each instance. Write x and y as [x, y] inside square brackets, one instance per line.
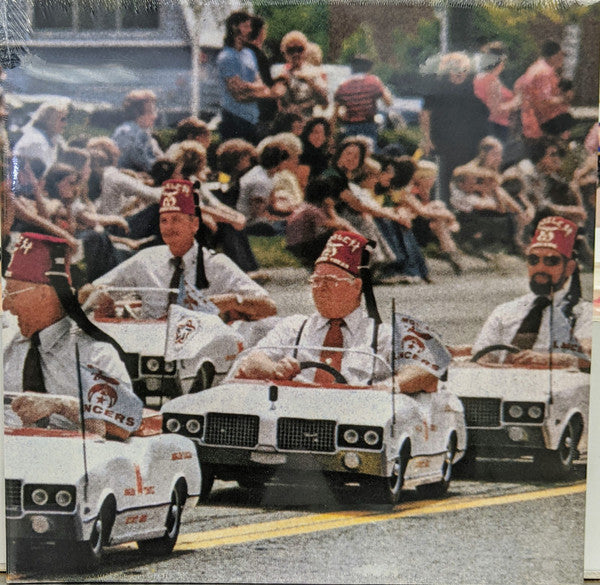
[337, 376]
[495, 347]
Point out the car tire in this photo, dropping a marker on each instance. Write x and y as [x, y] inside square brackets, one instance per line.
[388, 490]
[207, 479]
[204, 378]
[88, 554]
[465, 467]
[164, 545]
[559, 464]
[439, 488]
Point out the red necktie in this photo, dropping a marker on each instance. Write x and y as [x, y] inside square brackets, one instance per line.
[334, 338]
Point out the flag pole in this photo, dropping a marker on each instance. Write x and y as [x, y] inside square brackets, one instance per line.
[550, 349]
[81, 415]
[393, 360]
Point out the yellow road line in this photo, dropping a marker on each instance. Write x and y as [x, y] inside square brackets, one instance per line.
[330, 521]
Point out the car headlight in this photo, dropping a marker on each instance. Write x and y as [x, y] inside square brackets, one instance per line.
[523, 412]
[50, 497]
[63, 498]
[515, 411]
[152, 364]
[169, 367]
[172, 425]
[193, 426]
[351, 436]
[39, 497]
[360, 437]
[371, 438]
[535, 412]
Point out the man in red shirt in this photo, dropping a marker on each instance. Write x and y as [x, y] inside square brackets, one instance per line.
[544, 105]
[356, 100]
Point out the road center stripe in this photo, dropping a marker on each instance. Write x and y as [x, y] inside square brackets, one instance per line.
[331, 521]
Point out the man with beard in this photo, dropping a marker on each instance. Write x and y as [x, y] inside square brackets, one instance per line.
[551, 322]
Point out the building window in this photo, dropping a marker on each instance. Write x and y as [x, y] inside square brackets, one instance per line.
[92, 15]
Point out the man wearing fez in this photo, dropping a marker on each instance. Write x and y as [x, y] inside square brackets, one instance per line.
[184, 263]
[55, 339]
[553, 303]
[339, 278]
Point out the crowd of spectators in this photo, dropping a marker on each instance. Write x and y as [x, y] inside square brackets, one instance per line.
[282, 167]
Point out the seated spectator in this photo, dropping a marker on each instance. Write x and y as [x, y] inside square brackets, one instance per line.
[287, 122]
[192, 128]
[432, 220]
[138, 148]
[301, 86]
[42, 135]
[309, 227]
[270, 191]
[315, 139]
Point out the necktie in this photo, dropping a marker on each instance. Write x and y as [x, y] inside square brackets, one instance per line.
[334, 338]
[528, 330]
[176, 279]
[33, 378]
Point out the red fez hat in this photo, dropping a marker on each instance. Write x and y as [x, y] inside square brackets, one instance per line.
[557, 233]
[177, 196]
[344, 249]
[36, 257]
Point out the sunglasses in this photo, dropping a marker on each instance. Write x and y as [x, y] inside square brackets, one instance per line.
[295, 49]
[533, 260]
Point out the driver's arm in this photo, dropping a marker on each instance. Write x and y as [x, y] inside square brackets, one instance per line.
[412, 379]
[31, 407]
[259, 366]
[541, 359]
[249, 307]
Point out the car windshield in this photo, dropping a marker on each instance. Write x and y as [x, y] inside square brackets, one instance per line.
[358, 367]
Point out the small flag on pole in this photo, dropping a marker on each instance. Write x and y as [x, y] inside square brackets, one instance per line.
[188, 332]
[563, 339]
[417, 344]
[106, 398]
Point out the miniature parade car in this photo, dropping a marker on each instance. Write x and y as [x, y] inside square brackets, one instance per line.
[515, 411]
[64, 492]
[248, 430]
[137, 320]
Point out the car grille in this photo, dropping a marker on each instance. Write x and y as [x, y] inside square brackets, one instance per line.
[482, 412]
[298, 434]
[236, 430]
[13, 497]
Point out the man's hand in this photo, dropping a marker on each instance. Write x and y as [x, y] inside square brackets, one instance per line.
[540, 359]
[286, 369]
[101, 301]
[259, 366]
[33, 406]
[413, 379]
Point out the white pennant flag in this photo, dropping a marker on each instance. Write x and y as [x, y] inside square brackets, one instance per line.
[417, 344]
[109, 399]
[188, 332]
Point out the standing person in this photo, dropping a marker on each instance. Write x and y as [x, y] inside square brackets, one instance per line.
[339, 280]
[138, 149]
[300, 86]
[42, 136]
[453, 120]
[356, 100]
[241, 85]
[41, 361]
[500, 100]
[267, 107]
[554, 302]
[544, 106]
[202, 273]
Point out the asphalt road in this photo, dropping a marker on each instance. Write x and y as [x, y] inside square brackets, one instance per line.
[501, 526]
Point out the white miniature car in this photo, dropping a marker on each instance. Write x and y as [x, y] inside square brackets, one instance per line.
[132, 490]
[246, 430]
[516, 411]
[136, 319]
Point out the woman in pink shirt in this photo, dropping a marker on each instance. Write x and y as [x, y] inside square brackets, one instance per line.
[500, 100]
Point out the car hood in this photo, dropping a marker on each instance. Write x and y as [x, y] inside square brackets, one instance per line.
[46, 456]
[358, 406]
[510, 383]
[145, 338]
